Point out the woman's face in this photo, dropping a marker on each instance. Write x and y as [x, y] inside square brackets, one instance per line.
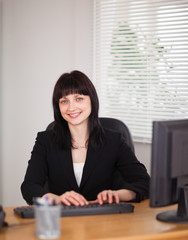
[75, 108]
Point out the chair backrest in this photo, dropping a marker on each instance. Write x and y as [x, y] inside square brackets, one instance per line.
[119, 126]
[115, 125]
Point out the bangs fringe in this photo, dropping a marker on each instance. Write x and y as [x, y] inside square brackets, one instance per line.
[73, 86]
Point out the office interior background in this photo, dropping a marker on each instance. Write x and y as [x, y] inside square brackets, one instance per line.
[40, 40]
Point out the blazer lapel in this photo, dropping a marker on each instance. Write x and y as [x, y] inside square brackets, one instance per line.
[92, 159]
[70, 171]
[67, 165]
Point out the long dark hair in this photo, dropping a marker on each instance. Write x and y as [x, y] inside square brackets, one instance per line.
[71, 83]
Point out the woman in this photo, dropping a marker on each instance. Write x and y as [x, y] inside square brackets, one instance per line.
[79, 159]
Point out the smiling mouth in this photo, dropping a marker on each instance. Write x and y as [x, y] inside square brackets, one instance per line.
[74, 115]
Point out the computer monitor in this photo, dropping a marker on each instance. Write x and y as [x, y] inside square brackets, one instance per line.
[169, 169]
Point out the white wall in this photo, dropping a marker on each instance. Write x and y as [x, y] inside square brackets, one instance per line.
[143, 153]
[39, 40]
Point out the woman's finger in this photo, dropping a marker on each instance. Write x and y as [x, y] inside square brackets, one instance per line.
[116, 197]
[102, 197]
[79, 198]
[108, 196]
[74, 198]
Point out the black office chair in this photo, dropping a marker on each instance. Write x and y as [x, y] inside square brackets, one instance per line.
[113, 124]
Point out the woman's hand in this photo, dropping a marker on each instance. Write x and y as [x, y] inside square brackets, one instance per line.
[73, 198]
[107, 196]
[67, 198]
[110, 196]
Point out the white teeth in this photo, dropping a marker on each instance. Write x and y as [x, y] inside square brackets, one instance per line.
[74, 114]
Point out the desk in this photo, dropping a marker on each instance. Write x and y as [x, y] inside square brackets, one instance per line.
[140, 225]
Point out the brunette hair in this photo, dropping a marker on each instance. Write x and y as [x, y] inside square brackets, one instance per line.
[73, 83]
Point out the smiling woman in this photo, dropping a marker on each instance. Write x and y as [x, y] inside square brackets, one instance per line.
[81, 160]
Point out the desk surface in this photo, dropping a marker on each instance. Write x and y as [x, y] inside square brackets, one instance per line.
[140, 225]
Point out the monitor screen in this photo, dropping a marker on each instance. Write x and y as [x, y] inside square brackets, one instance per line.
[169, 169]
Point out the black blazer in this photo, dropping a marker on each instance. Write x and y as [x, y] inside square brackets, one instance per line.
[113, 167]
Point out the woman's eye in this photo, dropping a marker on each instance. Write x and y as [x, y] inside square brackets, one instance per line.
[63, 101]
[79, 99]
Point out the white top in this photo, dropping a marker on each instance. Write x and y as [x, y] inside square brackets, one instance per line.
[78, 170]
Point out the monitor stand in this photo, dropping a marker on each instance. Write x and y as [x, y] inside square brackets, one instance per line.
[181, 214]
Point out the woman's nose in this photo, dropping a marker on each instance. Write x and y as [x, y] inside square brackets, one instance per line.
[71, 105]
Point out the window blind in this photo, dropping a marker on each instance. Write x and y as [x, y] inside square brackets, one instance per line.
[141, 61]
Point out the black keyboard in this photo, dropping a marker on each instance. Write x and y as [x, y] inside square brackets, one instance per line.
[91, 209]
